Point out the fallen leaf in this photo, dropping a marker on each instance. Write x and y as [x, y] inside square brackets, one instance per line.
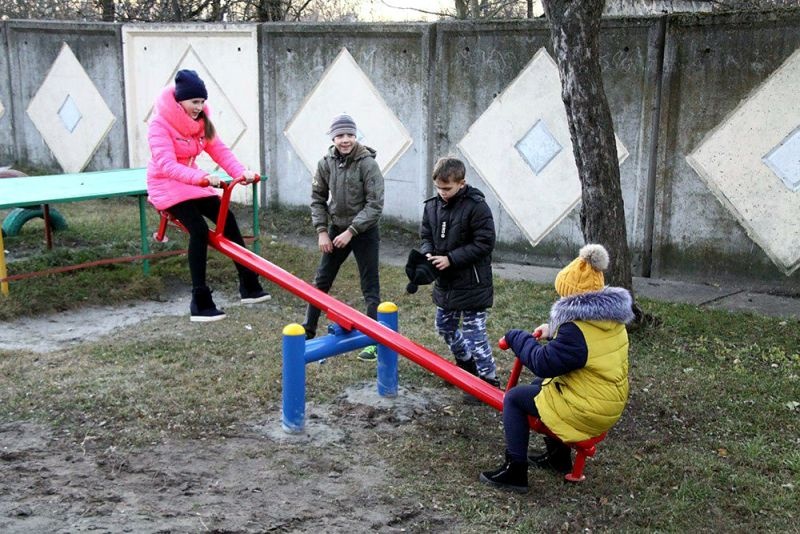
[722, 452]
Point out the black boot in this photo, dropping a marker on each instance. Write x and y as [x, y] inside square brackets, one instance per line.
[557, 457]
[511, 476]
[468, 365]
[469, 399]
[202, 308]
[311, 320]
[250, 289]
[472, 368]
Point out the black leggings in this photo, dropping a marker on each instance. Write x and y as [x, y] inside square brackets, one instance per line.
[191, 214]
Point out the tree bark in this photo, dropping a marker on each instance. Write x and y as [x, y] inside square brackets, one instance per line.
[108, 10]
[574, 30]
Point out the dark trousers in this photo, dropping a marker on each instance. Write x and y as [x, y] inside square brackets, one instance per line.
[518, 404]
[365, 247]
[191, 214]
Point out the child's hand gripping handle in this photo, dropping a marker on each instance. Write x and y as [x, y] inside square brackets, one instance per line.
[517, 368]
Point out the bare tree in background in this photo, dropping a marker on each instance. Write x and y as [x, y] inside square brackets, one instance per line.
[575, 30]
[492, 9]
[180, 10]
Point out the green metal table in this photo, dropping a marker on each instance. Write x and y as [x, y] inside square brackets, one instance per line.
[63, 188]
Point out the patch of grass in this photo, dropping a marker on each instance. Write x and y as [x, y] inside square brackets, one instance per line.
[708, 442]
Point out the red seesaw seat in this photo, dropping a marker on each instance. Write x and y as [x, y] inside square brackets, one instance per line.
[583, 448]
[166, 218]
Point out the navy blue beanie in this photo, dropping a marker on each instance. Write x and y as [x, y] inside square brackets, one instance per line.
[188, 85]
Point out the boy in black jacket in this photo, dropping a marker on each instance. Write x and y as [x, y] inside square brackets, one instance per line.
[458, 238]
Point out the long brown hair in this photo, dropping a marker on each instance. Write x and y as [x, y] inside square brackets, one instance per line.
[209, 131]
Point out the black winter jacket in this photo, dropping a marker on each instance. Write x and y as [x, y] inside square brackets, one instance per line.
[463, 230]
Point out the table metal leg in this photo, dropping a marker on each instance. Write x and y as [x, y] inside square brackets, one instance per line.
[48, 231]
[144, 236]
[256, 230]
[3, 273]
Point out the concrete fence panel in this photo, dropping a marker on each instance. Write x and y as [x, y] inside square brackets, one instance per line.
[225, 56]
[377, 74]
[498, 104]
[723, 203]
[67, 95]
[8, 151]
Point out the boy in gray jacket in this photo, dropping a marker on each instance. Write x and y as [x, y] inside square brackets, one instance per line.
[346, 205]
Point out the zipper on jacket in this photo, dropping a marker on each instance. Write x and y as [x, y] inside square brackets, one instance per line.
[475, 270]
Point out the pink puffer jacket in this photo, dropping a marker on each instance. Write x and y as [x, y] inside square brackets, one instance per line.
[175, 142]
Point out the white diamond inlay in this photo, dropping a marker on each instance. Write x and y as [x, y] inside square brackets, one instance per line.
[784, 160]
[538, 147]
[730, 160]
[67, 78]
[345, 88]
[69, 114]
[522, 148]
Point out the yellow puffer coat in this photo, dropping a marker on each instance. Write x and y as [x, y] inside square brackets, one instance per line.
[588, 401]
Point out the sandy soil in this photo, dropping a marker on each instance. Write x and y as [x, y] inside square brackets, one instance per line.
[256, 479]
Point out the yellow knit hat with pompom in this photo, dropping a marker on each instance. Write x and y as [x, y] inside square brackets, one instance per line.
[584, 273]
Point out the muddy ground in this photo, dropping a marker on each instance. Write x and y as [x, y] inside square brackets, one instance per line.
[255, 479]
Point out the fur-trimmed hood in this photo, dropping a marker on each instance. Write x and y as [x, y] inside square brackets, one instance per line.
[609, 304]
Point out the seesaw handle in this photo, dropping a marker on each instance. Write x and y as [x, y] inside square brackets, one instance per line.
[517, 368]
[226, 200]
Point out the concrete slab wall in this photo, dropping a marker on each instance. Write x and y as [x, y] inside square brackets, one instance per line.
[225, 56]
[93, 83]
[377, 74]
[680, 89]
[7, 146]
[475, 65]
[714, 66]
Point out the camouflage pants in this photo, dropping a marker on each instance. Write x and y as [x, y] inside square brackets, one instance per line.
[470, 340]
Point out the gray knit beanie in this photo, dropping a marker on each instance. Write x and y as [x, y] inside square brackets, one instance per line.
[342, 124]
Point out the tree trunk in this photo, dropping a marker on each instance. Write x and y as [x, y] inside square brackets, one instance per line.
[270, 11]
[575, 29]
[108, 10]
[461, 9]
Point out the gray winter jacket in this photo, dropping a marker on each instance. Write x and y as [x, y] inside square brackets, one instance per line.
[347, 191]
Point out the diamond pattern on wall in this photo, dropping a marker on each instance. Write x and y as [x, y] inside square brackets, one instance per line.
[227, 121]
[345, 88]
[70, 113]
[750, 163]
[522, 148]
[784, 160]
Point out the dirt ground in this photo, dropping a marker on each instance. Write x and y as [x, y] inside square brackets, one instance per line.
[253, 480]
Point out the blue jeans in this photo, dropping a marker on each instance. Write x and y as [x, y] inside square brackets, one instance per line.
[470, 341]
[365, 247]
[518, 404]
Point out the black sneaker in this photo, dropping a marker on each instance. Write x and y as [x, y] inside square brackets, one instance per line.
[254, 297]
[369, 354]
[206, 316]
[202, 307]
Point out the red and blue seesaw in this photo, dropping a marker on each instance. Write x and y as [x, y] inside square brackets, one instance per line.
[356, 330]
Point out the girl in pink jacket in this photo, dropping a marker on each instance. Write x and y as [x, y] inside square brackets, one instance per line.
[180, 130]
